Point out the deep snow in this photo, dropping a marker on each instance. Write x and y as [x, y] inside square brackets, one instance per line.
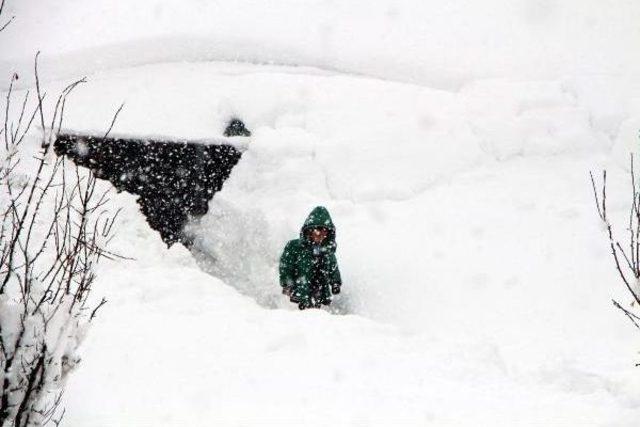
[477, 277]
[442, 44]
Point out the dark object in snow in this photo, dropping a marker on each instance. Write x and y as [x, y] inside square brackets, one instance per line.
[236, 128]
[175, 180]
[309, 271]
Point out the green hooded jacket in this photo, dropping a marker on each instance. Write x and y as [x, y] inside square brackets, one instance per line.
[298, 260]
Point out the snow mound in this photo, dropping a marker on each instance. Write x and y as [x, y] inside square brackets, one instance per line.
[476, 275]
[440, 44]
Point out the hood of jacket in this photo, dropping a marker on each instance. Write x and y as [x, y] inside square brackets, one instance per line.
[319, 217]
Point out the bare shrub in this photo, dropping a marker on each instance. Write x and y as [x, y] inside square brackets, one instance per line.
[626, 255]
[54, 229]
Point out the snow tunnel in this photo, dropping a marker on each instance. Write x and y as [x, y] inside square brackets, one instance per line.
[173, 179]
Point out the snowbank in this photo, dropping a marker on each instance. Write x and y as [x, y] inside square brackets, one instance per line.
[477, 280]
[442, 44]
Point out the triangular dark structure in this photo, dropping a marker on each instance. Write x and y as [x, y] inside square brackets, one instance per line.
[174, 179]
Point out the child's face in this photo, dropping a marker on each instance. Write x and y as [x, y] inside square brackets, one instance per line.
[317, 235]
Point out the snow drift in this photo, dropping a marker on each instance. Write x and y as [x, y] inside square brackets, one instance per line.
[472, 259]
[477, 280]
[442, 44]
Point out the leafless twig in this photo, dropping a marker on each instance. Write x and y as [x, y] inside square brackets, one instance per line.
[6, 24]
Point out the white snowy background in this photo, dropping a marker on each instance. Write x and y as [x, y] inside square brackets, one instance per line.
[451, 142]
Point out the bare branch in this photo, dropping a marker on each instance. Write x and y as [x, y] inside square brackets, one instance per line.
[113, 122]
[95, 310]
[6, 24]
[635, 319]
[601, 212]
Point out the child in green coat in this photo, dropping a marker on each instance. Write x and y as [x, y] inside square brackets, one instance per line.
[309, 272]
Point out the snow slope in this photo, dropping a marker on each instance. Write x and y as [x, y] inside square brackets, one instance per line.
[442, 44]
[477, 277]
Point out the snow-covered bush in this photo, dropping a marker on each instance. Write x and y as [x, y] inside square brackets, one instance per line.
[54, 227]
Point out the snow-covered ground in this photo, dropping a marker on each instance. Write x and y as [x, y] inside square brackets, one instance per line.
[477, 277]
[440, 43]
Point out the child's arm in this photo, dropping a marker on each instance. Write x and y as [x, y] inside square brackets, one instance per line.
[287, 261]
[336, 280]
